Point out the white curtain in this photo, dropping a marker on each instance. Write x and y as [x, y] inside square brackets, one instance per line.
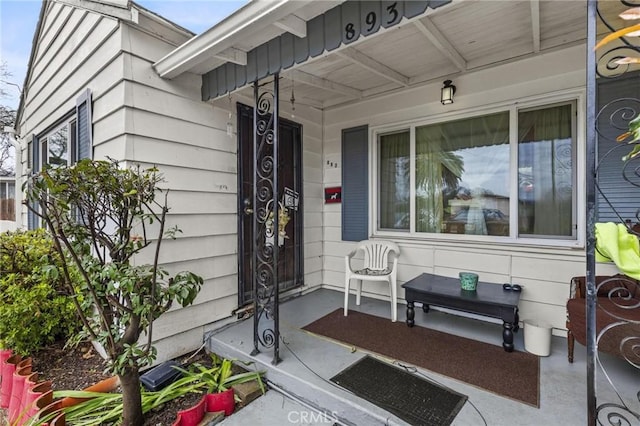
[545, 163]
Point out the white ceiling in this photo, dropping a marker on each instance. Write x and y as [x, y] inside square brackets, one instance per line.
[463, 36]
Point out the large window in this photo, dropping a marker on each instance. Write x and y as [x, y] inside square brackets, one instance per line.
[465, 171]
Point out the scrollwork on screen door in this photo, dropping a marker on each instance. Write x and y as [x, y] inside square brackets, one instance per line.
[617, 301]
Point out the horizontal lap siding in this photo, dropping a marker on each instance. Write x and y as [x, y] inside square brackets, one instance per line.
[544, 273]
[75, 50]
[56, 88]
[167, 126]
[311, 121]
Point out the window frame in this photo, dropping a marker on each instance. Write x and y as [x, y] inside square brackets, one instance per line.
[70, 121]
[576, 97]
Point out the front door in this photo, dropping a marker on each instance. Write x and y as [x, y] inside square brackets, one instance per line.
[290, 272]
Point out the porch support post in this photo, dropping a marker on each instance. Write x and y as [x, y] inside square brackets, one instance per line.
[264, 261]
[591, 211]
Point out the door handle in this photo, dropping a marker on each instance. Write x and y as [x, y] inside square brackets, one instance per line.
[247, 206]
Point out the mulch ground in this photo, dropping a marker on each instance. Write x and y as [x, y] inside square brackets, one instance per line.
[78, 368]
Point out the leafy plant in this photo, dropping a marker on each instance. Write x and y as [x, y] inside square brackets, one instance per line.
[107, 408]
[632, 136]
[101, 216]
[34, 309]
[220, 376]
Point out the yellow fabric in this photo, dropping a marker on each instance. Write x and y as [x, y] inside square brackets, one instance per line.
[615, 243]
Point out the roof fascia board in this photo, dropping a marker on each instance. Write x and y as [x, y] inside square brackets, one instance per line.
[129, 15]
[253, 17]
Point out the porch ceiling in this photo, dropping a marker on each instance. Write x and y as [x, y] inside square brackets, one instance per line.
[462, 36]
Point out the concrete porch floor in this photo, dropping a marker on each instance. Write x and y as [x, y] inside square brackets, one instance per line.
[307, 397]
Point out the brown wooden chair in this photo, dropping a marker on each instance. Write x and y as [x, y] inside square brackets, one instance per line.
[618, 297]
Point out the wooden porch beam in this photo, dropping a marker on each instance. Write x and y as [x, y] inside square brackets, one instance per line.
[535, 24]
[233, 55]
[293, 24]
[372, 65]
[428, 28]
[321, 83]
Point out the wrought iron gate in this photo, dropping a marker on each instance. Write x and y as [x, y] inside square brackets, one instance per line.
[266, 218]
[607, 119]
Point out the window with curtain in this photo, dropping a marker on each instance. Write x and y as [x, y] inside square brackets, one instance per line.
[394, 187]
[545, 172]
[462, 176]
[465, 171]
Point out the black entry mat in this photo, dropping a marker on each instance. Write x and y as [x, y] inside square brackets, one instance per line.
[413, 399]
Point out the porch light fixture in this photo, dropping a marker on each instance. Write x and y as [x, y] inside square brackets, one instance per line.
[447, 92]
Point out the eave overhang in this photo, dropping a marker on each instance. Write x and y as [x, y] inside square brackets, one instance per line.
[219, 40]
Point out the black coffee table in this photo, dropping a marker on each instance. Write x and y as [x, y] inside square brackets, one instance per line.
[490, 300]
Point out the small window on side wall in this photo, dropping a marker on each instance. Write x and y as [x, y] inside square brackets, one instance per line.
[62, 144]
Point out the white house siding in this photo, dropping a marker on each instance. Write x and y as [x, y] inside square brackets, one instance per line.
[167, 125]
[544, 271]
[140, 118]
[75, 49]
[311, 120]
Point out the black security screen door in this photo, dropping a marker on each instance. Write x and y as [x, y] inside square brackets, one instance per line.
[289, 239]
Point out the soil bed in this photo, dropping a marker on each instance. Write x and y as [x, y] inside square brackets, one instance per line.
[78, 368]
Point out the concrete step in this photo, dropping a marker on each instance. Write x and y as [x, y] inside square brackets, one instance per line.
[330, 404]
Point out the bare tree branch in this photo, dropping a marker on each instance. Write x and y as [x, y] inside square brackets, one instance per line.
[7, 119]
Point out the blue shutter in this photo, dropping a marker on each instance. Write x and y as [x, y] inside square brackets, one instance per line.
[83, 126]
[624, 196]
[34, 158]
[355, 184]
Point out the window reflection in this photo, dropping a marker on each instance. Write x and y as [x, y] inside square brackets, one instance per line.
[58, 147]
[394, 180]
[545, 172]
[462, 176]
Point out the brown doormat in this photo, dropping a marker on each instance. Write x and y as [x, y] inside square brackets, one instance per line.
[414, 399]
[513, 375]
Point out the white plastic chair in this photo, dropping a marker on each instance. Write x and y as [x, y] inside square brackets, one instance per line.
[375, 268]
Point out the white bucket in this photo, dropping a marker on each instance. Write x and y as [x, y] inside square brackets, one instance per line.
[537, 337]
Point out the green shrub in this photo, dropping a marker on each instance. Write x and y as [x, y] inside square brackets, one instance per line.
[35, 307]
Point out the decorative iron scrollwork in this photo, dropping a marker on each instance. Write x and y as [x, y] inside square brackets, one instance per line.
[265, 253]
[616, 298]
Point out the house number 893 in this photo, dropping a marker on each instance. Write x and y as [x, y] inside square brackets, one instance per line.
[371, 20]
